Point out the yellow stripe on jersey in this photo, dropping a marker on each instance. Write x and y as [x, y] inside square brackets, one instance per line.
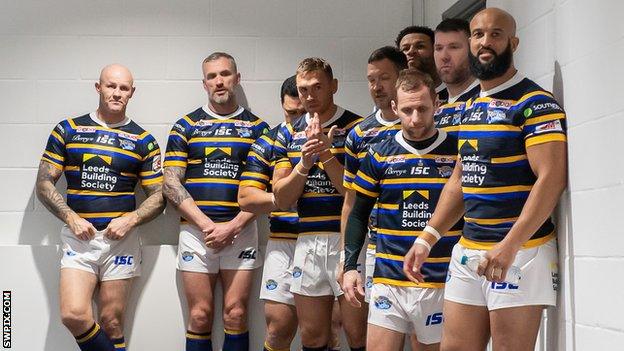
[189, 120]
[388, 206]
[72, 168]
[308, 195]
[118, 132]
[253, 184]
[173, 132]
[255, 175]
[144, 173]
[319, 218]
[152, 154]
[97, 193]
[101, 214]
[367, 178]
[212, 180]
[284, 163]
[478, 245]
[151, 181]
[176, 154]
[283, 236]
[532, 94]
[396, 282]
[490, 128]
[544, 118]
[350, 153]
[55, 156]
[284, 214]
[58, 137]
[398, 232]
[349, 174]
[55, 165]
[259, 157]
[104, 148]
[490, 221]
[221, 140]
[175, 164]
[217, 203]
[508, 159]
[546, 138]
[402, 258]
[415, 180]
[364, 191]
[497, 189]
[409, 156]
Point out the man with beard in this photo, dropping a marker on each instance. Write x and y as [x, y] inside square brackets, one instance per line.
[205, 155]
[416, 42]
[453, 67]
[512, 171]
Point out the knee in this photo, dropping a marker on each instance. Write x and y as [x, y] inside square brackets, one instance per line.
[200, 319]
[279, 335]
[356, 335]
[76, 319]
[111, 322]
[235, 315]
[312, 336]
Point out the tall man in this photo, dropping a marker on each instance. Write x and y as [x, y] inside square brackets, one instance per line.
[308, 173]
[512, 145]
[255, 196]
[451, 58]
[103, 155]
[416, 42]
[383, 69]
[205, 154]
[404, 176]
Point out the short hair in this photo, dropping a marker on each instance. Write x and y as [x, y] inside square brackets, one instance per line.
[391, 53]
[315, 64]
[415, 30]
[453, 25]
[412, 79]
[289, 87]
[217, 55]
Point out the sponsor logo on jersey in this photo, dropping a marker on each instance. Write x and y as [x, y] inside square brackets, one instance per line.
[203, 123]
[156, 164]
[553, 126]
[371, 133]
[445, 171]
[179, 127]
[127, 136]
[504, 104]
[495, 116]
[248, 254]
[395, 159]
[271, 284]
[382, 303]
[444, 159]
[456, 119]
[433, 319]
[244, 132]
[126, 144]
[124, 260]
[85, 129]
[187, 256]
[243, 124]
[296, 272]
[82, 139]
[299, 135]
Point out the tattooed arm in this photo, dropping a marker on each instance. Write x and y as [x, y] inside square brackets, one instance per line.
[47, 177]
[175, 192]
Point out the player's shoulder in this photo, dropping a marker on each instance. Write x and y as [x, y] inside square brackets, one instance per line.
[387, 147]
[447, 145]
[347, 119]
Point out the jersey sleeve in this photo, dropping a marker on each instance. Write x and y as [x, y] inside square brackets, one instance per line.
[55, 152]
[544, 120]
[151, 169]
[257, 169]
[280, 149]
[176, 154]
[368, 177]
[352, 163]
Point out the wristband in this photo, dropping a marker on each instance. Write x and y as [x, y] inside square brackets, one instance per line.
[423, 242]
[301, 173]
[431, 230]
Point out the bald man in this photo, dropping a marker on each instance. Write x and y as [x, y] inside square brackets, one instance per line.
[103, 155]
[512, 148]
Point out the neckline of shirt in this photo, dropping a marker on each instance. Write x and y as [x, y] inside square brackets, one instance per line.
[517, 78]
[384, 122]
[339, 112]
[401, 140]
[453, 99]
[213, 114]
[440, 87]
[123, 122]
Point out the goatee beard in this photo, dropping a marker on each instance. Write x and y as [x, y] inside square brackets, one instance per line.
[493, 69]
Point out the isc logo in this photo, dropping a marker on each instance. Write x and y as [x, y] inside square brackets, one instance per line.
[124, 260]
[503, 285]
[223, 131]
[434, 319]
[248, 254]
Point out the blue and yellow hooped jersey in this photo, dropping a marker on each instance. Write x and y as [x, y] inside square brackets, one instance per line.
[213, 149]
[320, 204]
[448, 115]
[102, 165]
[496, 129]
[407, 183]
[371, 131]
[258, 173]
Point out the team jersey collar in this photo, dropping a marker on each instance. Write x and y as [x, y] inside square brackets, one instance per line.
[213, 114]
[399, 138]
[440, 87]
[339, 112]
[384, 122]
[452, 99]
[95, 119]
[517, 78]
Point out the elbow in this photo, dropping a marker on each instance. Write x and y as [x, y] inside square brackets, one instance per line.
[243, 200]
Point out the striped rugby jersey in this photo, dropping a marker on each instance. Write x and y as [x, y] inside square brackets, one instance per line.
[496, 129]
[407, 183]
[102, 164]
[448, 115]
[213, 150]
[372, 130]
[320, 204]
[258, 172]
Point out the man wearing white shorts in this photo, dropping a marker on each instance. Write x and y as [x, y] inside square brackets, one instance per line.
[104, 155]
[512, 171]
[205, 155]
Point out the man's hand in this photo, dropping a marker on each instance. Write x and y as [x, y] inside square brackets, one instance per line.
[222, 235]
[81, 228]
[120, 226]
[309, 153]
[496, 262]
[352, 284]
[413, 261]
[314, 131]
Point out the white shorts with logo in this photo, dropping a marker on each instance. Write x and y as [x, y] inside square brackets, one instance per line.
[315, 265]
[538, 283]
[277, 271]
[369, 271]
[408, 310]
[195, 256]
[107, 259]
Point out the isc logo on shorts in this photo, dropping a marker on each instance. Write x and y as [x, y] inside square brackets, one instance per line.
[382, 303]
[503, 286]
[248, 254]
[434, 319]
[271, 284]
[124, 260]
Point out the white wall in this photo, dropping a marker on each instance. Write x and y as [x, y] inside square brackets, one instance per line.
[50, 56]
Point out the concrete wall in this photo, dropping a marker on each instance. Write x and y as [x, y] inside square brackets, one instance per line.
[50, 56]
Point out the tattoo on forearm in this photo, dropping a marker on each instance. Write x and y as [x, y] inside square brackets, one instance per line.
[153, 205]
[173, 189]
[47, 193]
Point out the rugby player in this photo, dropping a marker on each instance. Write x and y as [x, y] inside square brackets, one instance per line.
[308, 173]
[512, 171]
[103, 154]
[404, 176]
[205, 155]
[451, 59]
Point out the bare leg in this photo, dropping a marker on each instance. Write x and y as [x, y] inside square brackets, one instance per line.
[314, 314]
[466, 327]
[383, 339]
[112, 301]
[199, 292]
[281, 320]
[354, 321]
[516, 328]
[76, 292]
